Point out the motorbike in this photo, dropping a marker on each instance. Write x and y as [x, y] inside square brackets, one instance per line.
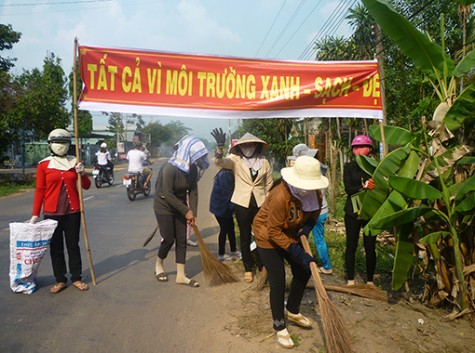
[134, 182]
[102, 175]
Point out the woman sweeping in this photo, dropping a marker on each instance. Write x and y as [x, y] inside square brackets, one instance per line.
[177, 179]
[291, 209]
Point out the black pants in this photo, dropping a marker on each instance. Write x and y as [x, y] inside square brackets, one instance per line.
[244, 217]
[226, 230]
[172, 229]
[273, 260]
[67, 230]
[353, 227]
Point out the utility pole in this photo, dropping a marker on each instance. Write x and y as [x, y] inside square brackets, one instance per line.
[380, 58]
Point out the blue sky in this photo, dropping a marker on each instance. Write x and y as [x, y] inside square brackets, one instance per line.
[270, 29]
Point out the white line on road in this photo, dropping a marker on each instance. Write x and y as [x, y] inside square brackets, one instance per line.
[87, 198]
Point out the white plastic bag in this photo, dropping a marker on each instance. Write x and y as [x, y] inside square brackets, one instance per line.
[28, 244]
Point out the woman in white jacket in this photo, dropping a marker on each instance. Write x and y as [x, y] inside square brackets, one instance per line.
[253, 181]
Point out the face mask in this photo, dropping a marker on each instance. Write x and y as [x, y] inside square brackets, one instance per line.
[202, 163]
[59, 149]
[248, 151]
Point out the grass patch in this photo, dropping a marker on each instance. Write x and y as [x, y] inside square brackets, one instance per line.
[12, 188]
[336, 243]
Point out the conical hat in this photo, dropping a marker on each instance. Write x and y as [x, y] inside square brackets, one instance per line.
[248, 137]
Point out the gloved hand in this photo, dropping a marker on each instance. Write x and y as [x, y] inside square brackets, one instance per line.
[33, 219]
[80, 168]
[219, 136]
[299, 254]
[369, 184]
[307, 227]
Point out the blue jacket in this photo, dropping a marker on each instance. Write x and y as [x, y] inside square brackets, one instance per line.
[223, 188]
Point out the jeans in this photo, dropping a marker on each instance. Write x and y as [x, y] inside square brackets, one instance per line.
[319, 238]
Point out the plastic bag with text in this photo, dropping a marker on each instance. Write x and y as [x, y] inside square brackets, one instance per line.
[28, 244]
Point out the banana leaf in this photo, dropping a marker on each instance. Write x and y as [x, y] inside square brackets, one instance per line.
[467, 204]
[462, 109]
[368, 164]
[460, 190]
[434, 237]
[401, 217]
[394, 202]
[404, 255]
[414, 189]
[465, 65]
[390, 165]
[394, 135]
[426, 55]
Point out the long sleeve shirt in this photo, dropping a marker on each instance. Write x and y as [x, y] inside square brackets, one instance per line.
[49, 183]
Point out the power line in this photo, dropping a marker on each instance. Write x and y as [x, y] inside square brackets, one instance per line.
[297, 10]
[305, 20]
[272, 25]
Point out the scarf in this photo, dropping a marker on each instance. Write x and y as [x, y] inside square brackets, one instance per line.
[187, 151]
[308, 198]
[60, 163]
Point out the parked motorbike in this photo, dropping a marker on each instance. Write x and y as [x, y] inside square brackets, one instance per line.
[102, 175]
[134, 182]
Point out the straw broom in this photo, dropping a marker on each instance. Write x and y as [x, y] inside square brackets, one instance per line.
[361, 290]
[337, 338]
[216, 272]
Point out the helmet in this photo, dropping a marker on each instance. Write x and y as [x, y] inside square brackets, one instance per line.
[103, 145]
[59, 135]
[361, 140]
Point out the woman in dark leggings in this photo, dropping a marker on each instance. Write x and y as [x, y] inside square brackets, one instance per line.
[289, 211]
[356, 180]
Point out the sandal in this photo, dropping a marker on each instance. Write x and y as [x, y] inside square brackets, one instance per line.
[58, 287]
[299, 320]
[192, 283]
[81, 286]
[248, 277]
[161, 277]
[284, 339]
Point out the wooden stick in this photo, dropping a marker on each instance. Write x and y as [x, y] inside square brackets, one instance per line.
[76, 135]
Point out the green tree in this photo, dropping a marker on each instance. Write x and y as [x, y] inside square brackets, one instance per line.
[8, 37]
[41, 98]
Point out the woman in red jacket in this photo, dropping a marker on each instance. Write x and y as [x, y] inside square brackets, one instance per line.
[57, 193]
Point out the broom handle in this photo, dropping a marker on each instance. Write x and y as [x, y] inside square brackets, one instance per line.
[317, 280]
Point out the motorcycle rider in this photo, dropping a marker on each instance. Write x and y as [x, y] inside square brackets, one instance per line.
[104, 159]
[137, 158]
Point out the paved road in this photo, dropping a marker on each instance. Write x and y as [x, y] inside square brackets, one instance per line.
[128, 310]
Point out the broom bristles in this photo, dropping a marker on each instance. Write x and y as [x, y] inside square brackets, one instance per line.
[215, 272]
[361, 291]
[337, 338]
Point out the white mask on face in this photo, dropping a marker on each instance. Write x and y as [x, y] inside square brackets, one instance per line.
[60, 149]
[248, 151]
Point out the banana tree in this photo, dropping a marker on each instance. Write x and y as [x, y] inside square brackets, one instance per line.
[418, 185]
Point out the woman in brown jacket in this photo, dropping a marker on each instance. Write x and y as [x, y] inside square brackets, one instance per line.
[290, 210]
[253, 181]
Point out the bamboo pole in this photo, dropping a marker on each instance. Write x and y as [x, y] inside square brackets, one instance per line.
[379, 58]
[76, 135]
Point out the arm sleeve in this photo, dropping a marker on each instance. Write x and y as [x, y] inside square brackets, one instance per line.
[276, 218]
[85, 181]
[40, 189]
[350, 179]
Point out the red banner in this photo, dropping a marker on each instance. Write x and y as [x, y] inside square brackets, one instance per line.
[173, 84]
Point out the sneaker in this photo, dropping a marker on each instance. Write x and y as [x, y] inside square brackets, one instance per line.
[324, 271]
[235, 255]
[190, 242]
[223, 258]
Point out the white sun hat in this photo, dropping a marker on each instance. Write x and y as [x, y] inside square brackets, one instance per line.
[305, 174]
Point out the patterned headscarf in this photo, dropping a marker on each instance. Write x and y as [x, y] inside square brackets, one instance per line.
[187, 151]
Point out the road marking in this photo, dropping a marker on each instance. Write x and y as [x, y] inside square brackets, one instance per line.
[87, 198]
